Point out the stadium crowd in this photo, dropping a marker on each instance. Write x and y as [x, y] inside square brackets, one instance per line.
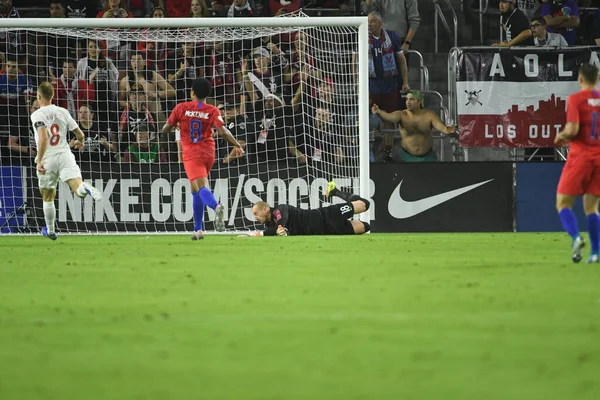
[272, 93]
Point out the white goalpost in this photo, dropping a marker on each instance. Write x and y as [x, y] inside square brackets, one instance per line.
[286, 87]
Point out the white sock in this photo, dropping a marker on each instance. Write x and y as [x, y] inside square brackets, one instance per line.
[49, 215]
[81, 190]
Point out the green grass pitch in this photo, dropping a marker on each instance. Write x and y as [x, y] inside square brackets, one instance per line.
[381, 316]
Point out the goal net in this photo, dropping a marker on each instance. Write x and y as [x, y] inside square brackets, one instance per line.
[287, 88]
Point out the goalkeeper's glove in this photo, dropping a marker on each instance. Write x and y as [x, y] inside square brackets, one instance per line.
[282, 231]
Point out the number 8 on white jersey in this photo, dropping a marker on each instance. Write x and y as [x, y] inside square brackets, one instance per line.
[59, 123]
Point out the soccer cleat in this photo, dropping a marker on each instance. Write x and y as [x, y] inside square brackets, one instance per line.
[51, 236]
[92, 191]
[331, 188]
[199, 235]
[578, 245]
[594, 258]
[220, 218]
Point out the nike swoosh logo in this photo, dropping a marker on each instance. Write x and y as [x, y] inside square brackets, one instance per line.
[402, 209]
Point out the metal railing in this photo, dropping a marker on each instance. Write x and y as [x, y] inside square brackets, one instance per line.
[439, 15]
[424, 71]
[482, 11]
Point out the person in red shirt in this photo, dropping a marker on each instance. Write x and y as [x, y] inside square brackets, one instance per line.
[196, 120]
[70, 90]
[581, 173]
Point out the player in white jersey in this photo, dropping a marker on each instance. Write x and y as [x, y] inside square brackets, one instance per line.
[54, 158]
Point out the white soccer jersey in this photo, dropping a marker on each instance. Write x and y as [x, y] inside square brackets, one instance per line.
[59, 123]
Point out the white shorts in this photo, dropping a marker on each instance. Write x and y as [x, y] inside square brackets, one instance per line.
[59, 165]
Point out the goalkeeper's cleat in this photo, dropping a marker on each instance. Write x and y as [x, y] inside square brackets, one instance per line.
[92, 191]
[578, 245]
[594, 258]
[220, 218]
[331, 188]
[198, 235]
[51, 236]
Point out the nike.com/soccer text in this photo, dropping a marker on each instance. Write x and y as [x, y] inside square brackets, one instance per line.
[129, 200]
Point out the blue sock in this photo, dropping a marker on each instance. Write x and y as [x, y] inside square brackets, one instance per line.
[198, 205]
[569, 222]
[594, 230]
[208, 198]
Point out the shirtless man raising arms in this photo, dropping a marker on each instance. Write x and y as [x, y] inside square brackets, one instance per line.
[415, 124]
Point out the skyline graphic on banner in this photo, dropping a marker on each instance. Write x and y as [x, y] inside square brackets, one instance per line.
[532, 126]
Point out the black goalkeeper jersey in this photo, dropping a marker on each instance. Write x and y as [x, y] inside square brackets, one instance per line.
[296, 221]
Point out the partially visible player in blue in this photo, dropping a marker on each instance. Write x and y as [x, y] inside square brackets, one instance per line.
[581, 173]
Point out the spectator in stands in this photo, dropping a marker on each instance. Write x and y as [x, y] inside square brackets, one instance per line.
[273, 136]
[186, 65]
[144, 150]
[57, 9]
[156, 52]
[11, 41]
[82, 8]
[299, 57]
[222, 69]
[236, 124]
[530, 8]
[386, 62]
[157, 88]
[136, 114]
[176, 8]
[324, 140]
[115, 9]
[562, 16]
[240, 8]
[264, 79]
[100, 146]
[515, 26]
[69, 91]
[158, 12]
[116, 50]
[541, 37]
[53, 48]
[15, 88]
[198, 9]
[2, 63]
[279, 7]
[100, 72]
[139, 8]
[21, 141]
[400, 16]
[416, 124]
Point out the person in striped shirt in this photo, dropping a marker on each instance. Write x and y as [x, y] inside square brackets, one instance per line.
[386, 62]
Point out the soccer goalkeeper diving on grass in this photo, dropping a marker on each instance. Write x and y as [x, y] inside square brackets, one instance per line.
[284, 220]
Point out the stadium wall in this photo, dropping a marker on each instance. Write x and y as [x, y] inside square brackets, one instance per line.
[535, 198]
[436, 197]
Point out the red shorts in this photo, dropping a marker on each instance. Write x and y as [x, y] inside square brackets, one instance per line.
[198, 167]
[580, 175]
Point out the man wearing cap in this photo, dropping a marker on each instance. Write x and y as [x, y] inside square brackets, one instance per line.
[386, 62]
[515, 26]
[135, 115]
[415, 124]
[260, 81]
